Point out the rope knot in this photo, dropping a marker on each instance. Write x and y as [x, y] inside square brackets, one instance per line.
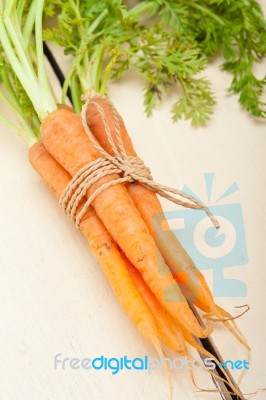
[135, 169]
[128, 169]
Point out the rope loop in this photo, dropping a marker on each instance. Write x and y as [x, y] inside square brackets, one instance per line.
[129, 169]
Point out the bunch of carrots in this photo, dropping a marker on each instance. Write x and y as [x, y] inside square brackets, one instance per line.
[151, 274]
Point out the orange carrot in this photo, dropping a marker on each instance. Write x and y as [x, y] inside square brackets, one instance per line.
[184, 270]
[150, 209]
[65, 139]
[167, 330]
[109, 258]
[102, 247]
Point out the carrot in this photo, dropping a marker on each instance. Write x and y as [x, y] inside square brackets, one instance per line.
[184, 270]
[103, 248]
[65, 139]
[167, 330]
[147, 203]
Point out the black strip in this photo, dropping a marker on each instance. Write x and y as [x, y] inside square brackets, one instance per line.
[209, 345]
[57, 70]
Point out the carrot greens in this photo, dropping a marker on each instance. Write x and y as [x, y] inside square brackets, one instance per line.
[168, 43]
[234, 29]
[17, 101]
[107, 38]
[19, 19]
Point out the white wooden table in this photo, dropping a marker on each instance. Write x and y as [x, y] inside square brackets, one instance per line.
[53, 297]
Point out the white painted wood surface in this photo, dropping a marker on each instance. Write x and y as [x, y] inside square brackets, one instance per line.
[53, 297]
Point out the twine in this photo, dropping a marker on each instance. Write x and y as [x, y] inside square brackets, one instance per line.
[130, 169]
